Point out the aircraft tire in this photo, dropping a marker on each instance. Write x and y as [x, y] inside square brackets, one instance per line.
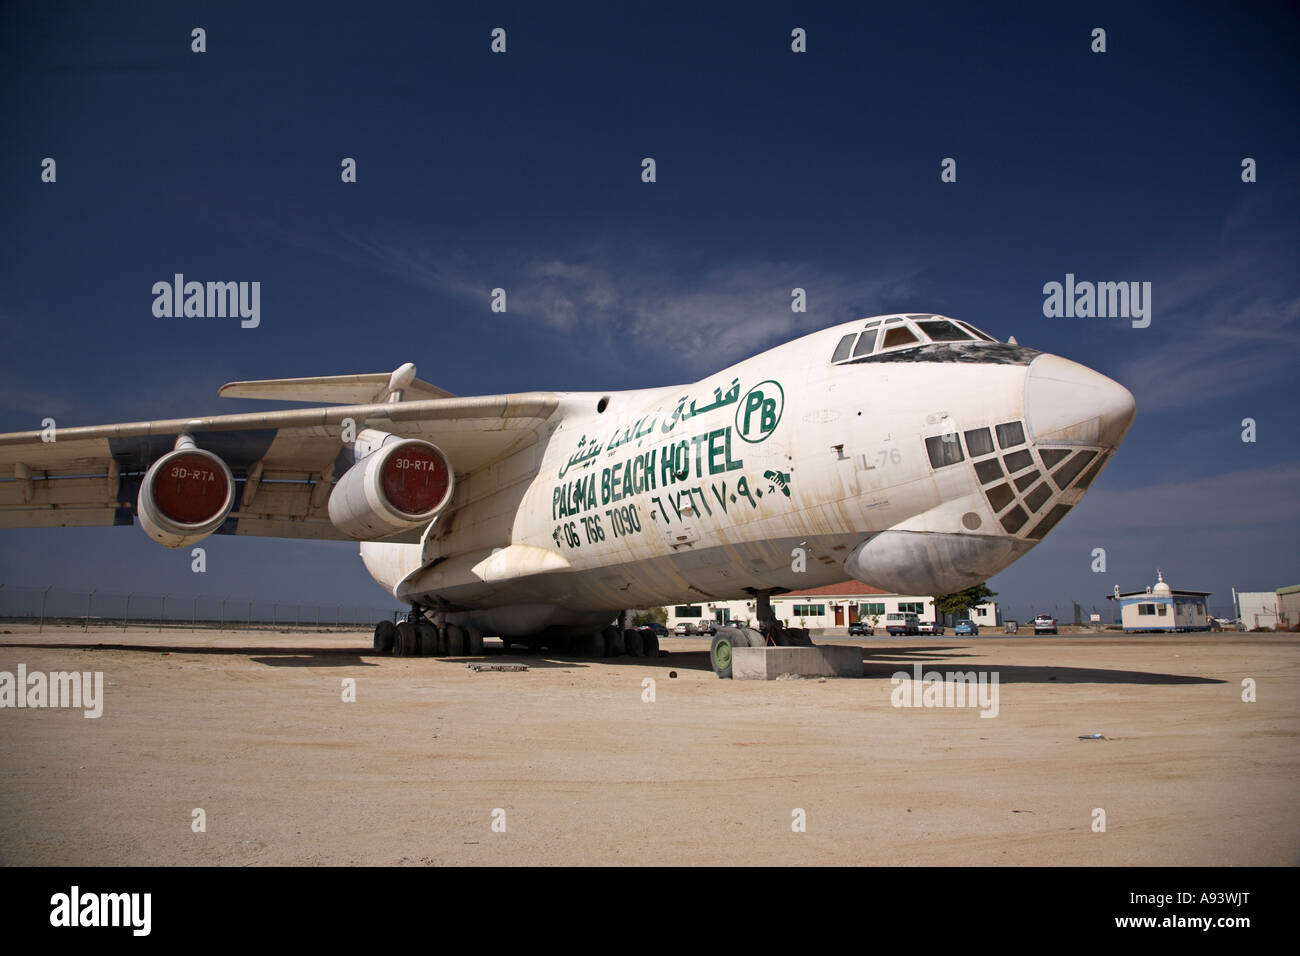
[428, 639]
[650, 643]
[720, 650]
[455, 641]
[385, 631]
[614, 646]
[473, 641]
[406, 641]
[633, 644]
[753, 637]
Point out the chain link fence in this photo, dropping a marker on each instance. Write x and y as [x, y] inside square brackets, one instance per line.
[111, 609]
[1065, 614]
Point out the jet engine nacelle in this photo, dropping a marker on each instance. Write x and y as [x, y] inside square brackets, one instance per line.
[402, 484]
[185, 496]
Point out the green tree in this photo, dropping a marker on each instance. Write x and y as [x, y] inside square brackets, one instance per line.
[959, 603]
[654, 615]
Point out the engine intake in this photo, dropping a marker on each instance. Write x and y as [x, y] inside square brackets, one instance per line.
[402, 484]
[185, 496]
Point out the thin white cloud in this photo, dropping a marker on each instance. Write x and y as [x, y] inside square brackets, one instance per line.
[1226, 324]
[653, 299]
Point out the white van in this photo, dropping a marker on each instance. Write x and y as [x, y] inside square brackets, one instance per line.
[900, 623]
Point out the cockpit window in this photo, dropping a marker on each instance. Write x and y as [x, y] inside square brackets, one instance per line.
[842, 350]
[866, 343]
[943, 331]
[898, 335]
[976, 332]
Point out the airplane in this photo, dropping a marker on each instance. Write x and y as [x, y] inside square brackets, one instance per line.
[910, 451]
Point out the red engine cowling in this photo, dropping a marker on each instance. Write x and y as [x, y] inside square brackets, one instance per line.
[402, 484]
[185, 496]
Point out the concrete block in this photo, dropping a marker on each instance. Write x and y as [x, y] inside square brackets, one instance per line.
[769, 663]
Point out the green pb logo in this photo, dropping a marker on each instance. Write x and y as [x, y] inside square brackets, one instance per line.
[760, 411]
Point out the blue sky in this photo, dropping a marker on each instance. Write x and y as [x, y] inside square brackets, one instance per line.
[775, 170]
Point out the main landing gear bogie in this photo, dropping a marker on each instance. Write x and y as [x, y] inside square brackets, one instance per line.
[418, 636]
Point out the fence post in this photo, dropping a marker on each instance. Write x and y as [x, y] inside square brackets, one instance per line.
[126, 613]
[223, 614]
[89, 600]
[162, 605]
[194, 619]
[43, 596]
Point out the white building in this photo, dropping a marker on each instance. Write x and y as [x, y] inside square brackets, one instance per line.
[1288, 606]
[830, 606]
[1256, 609]
[1161, 608]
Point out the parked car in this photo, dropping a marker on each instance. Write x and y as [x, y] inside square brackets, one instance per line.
[658, 629]
[929, 627]
[966, 629]
[861, 629]
[683, 629]
[1045, 624]
[706, 627]
[900, 623]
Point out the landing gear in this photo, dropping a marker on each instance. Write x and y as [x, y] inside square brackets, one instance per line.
[385, 631]
[455, 641]
[473, 641]
[426, 633]
[589, 645]
[727, 640]
[720, 651]
[774, 631]
[406, 643]
[429, 639]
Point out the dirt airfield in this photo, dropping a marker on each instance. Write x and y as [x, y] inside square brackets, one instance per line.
[252, 728]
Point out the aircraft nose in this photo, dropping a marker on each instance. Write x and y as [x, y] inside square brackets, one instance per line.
[1066, 401]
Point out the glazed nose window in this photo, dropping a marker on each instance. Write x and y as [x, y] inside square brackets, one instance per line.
[944, 450]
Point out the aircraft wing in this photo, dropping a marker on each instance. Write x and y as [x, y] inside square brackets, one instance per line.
[284, 462]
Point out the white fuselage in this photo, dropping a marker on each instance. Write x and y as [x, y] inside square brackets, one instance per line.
[784, 471]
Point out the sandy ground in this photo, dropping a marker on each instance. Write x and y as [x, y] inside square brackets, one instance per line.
[252, 728]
